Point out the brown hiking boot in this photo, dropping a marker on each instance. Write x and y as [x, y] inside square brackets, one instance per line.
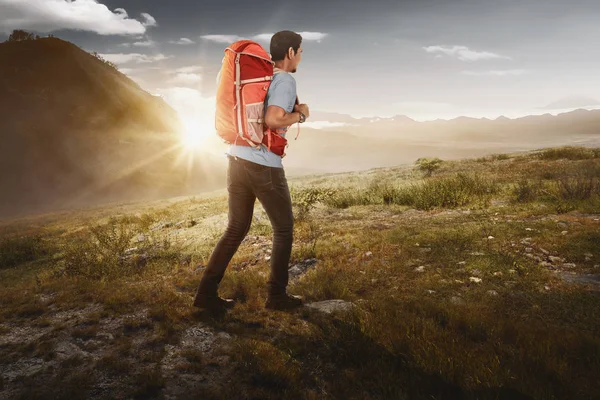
[213, 303]
[283, 302]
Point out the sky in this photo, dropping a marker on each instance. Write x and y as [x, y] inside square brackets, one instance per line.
[425, 59]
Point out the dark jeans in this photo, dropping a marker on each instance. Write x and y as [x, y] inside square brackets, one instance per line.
[247, 181]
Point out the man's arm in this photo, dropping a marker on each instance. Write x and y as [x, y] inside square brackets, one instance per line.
[276, 117]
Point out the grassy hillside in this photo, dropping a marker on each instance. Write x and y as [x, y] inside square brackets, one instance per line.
[480, 281]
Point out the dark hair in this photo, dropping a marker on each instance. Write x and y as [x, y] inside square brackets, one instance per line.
[282, 41]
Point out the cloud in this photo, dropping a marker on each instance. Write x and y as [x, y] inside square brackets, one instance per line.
[182, 41]
[184, 79]
[120, 58]
[505, 72]
[188, 70]
[147, 43]
[226, 39]
[262, 37]
[149, 20]
[83, 15]
[463, 53]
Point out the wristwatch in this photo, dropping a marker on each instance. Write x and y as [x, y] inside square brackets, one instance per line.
[302, 117]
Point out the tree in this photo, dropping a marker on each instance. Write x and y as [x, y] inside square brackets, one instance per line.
[110, 64]
[19, 35]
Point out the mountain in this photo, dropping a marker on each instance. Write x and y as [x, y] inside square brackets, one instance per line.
[571, 102]
[380, 142]
[75, 130]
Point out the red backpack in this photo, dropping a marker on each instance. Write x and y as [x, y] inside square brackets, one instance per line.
[245, 76]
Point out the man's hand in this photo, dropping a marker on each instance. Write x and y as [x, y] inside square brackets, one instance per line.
[303, 108]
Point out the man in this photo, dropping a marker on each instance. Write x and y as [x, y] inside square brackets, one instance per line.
[258, 174]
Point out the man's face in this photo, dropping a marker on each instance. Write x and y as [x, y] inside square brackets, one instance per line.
[296, 58]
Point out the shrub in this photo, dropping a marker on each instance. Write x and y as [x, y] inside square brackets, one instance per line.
[447, 192]
[428, 165]
[569, 153]
[18, 250]
[306, 199]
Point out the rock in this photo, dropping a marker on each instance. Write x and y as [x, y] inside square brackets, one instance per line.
[492, 293]
[64, 350]
[562, 224]
[476, 272]
[369, 254]
[461, 262]
[457, 300]
[568, 265]
[512, 271]
[528, 229]
[546, 252]
[431, 291]
[106, 335]
[555, 259]
[498, 273]
[546, 287]
[420, 269]
[302, 267]
[564, 233]
[267, 258]
[545, 264]
[528, 250]
[477, 253]
[584, 279]
[475, 279]
[331, 306]
[490, 237]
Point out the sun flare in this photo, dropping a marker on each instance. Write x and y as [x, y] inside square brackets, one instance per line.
[196, 131]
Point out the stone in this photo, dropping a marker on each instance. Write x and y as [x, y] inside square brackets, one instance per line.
[420, 269]
[568, 265]
[564, 233]
[331, 306]
[492, 293]
[302, 267]
[555, 259]
[369, 254]
[475, 279]
[457, 300]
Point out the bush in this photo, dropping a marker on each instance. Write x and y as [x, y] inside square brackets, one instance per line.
[569, 153]
[428, 165]
[107, 250]
[306, 199]
[448, 192]
[18, 250]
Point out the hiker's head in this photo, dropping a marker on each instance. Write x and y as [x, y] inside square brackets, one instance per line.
[286, 50]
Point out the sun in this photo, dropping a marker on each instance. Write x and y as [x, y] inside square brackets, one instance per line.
[196, 131]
